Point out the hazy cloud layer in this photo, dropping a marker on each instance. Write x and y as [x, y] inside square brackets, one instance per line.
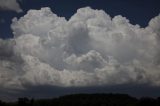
[10, 5]
[89, 49]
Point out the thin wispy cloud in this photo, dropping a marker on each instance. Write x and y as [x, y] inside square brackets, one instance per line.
[11, 5]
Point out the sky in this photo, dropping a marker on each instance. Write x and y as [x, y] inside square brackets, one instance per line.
[55, 47]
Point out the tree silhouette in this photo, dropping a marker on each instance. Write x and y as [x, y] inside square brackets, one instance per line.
[87, 100]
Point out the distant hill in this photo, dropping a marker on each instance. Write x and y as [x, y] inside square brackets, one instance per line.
[87, 100]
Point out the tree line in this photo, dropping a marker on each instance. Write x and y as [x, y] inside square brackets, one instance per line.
[87, 100]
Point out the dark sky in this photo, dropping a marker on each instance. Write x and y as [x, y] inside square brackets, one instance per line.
[137, 11]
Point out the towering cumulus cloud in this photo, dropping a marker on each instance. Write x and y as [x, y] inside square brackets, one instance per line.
[90, 49]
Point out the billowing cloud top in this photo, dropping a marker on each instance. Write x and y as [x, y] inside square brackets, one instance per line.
[10, 5]
[90, 49]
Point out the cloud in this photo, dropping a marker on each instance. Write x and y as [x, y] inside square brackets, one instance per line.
[90, 49]
[12, 5]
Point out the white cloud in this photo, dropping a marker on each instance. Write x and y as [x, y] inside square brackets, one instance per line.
[10, 5]
[91, 48]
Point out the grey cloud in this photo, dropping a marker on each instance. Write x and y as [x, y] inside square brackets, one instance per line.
[90, 49]
[10, 5]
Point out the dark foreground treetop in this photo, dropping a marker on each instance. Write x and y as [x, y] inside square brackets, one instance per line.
[87, 100]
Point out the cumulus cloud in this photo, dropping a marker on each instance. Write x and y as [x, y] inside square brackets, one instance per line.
[89, 49]
[12, 5]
